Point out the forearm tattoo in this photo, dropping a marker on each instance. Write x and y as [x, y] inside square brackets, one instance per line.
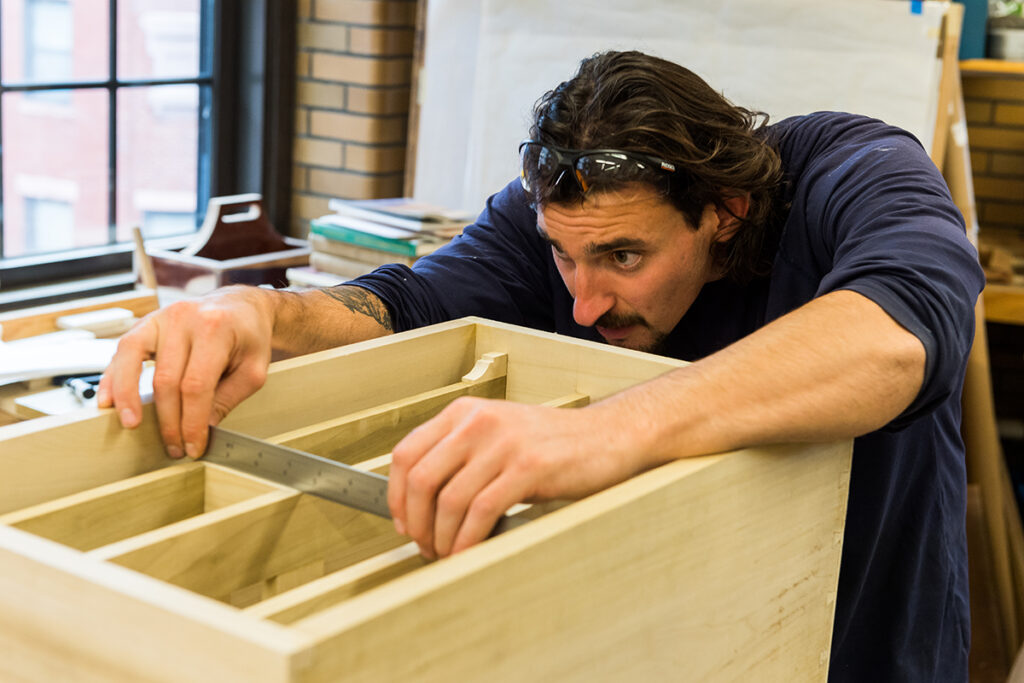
[358, 300]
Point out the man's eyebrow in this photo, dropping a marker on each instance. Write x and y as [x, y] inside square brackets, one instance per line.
[618, 244]
[544, 236]
[597, 248]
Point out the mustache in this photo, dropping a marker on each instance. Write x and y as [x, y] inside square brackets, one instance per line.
[614, 320]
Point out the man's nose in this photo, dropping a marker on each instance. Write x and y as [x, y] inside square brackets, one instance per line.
[592, 299]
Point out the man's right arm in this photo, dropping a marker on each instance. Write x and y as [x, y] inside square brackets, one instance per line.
[213, 352]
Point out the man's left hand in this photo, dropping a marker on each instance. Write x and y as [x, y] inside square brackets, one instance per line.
[453, 477]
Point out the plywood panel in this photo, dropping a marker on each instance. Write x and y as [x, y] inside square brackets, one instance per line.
[713, 568]
[89, 622]
[324, 385]
[51, 457]
[116, 511]
[374, 431]
[220, 552]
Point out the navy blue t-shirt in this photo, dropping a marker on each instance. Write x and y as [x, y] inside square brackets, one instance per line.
[869, 213]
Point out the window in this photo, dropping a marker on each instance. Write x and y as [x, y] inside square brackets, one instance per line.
[125, 113]
[48, 41]
[49, 225]
[107, 102]
[166, 223]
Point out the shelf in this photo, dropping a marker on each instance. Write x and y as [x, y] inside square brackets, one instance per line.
[992, 67]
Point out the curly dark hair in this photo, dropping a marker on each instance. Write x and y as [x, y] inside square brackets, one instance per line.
[643, 104]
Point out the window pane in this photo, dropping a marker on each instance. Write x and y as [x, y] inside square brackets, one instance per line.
[54, 154]
[49, 225]
[158, 39]
[157, 142]
[52, 41]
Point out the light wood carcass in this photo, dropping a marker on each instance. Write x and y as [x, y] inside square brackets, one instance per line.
[117, 563]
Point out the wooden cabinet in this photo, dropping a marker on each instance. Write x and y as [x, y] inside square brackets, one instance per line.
[119, 564]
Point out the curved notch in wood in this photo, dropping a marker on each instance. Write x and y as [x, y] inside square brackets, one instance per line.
[490, 365]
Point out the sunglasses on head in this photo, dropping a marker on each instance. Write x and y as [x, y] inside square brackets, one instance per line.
[540, 163]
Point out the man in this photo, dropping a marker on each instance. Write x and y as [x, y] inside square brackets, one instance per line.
[816, 271]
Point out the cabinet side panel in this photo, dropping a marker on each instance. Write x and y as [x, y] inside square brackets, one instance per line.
[256, 540]
[726, 573]
[322, 386]
[64, 617]
[56, 456]
[375, 431]
[544, 366]
[110, 513]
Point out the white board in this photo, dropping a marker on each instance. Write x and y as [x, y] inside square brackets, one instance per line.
[487, 61]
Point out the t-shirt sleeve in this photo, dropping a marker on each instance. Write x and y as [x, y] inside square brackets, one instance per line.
[891, 232]
[495, 269]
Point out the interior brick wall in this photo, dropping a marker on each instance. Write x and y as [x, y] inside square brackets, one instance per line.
[995, 122]
[354, 65]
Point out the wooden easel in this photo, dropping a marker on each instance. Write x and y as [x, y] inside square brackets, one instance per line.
[985, 464]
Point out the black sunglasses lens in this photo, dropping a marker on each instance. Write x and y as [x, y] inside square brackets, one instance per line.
[538, 163]
[547, 166]
[613, 167]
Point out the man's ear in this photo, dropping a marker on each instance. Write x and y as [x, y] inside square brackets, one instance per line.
[730, 211]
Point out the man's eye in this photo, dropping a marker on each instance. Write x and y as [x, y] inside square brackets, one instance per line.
[559, 255]
[625, 259]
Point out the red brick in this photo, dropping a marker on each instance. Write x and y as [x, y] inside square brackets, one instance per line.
[1007, 164]
[1002, 213]
[381, 41]
[301, 121]
[361, 70]
[323, 95]
[1010, 189]
[1009, 114]
[982, 87]
[998, 139]
[387, 100]
[980, 161]
[302, 63]
[354, 185]
[355, 128]
[300, 178]
[315, 152]
[319, 36]
[307, 206]
[978, 111]
[374, 159]
[383, 12]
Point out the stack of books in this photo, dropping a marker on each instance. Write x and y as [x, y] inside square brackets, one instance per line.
[362, 235]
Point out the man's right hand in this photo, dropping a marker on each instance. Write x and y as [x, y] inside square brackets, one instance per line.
[211, 353]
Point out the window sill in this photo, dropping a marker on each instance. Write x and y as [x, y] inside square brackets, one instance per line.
[66, 290]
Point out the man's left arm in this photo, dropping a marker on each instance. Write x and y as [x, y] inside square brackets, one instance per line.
[838, 367]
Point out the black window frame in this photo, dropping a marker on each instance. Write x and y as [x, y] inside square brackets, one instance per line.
[251, 100]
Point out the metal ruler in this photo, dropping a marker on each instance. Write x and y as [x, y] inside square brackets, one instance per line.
[305, 472]
[334, 481]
